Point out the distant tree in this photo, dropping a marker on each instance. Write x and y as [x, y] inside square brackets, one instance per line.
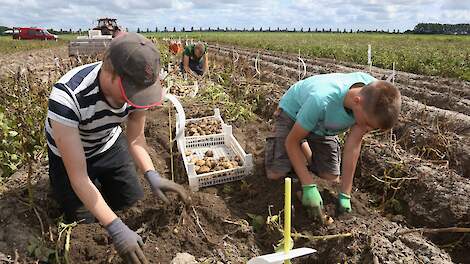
[209, 29]
[277, 29]
[301, 29]
[200, 28]
[253, 29]
[337, 30]
[3, 29]
[344, 30]
[329, 30]
[322, 30]
[309, 30]
[156, 29]
[174, 29]
[70, 30]
[127, 29]
[350, 31]
[165, 30]
[138, 30]
[435, 28]
[183, 30]
[261, 29]
[148, 30]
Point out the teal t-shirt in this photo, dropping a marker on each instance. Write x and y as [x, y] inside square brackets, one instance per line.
[316, 103]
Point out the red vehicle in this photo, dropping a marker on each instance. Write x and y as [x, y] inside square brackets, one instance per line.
[32, 33]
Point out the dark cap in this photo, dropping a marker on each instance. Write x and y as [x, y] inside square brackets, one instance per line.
[137, 62]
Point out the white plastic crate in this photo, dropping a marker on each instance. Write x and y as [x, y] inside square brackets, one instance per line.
[181, 123]
[222, 145]
[216, 116]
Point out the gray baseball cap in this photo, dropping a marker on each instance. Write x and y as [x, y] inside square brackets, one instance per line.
[137, 62]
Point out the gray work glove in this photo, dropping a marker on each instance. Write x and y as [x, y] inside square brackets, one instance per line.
[160, 185]
[127, 242]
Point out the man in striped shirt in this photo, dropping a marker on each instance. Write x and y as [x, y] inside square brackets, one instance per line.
[88, 152]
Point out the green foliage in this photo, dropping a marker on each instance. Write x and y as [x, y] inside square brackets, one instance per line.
[10, 45]
[10, 144]
[279, 247]
[257, 222]
[39, 250]
[394, 206]
[441, 55]
[237, 110]
[165, 57]
[436, 28]
[23, 109]
[3, 29]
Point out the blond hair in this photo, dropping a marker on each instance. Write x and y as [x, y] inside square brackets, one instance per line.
[201, 47]
[383, 100]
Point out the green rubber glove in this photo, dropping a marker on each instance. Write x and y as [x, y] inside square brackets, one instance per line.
[344, 203]
[311, 199]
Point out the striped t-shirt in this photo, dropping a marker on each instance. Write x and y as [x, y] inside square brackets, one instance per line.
[76, 100]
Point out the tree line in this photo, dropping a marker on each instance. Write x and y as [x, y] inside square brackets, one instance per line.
[436, 28]
[421, 28]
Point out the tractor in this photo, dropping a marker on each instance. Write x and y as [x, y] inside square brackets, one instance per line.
[98, 39]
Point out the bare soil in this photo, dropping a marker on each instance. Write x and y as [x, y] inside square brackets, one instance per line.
[429, 190]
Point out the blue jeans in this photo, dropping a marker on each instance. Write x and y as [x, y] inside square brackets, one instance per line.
[195, 66]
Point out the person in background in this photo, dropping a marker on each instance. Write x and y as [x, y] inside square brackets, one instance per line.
[195, 60]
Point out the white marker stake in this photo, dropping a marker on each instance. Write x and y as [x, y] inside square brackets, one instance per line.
[298, 68]
[369, 57]
[279, 258]
[391, 78]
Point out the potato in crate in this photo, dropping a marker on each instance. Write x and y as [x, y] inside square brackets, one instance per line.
[215, 159]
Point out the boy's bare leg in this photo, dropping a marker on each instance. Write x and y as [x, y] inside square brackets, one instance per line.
[330, 177]
[275, 175]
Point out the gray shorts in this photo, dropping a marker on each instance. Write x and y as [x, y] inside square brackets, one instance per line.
[326, 151]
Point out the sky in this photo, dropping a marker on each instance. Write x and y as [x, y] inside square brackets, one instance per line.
[143, 14]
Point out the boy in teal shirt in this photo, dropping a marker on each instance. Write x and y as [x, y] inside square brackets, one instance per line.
[310, 116]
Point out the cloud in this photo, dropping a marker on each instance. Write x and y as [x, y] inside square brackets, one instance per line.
[355, 14]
